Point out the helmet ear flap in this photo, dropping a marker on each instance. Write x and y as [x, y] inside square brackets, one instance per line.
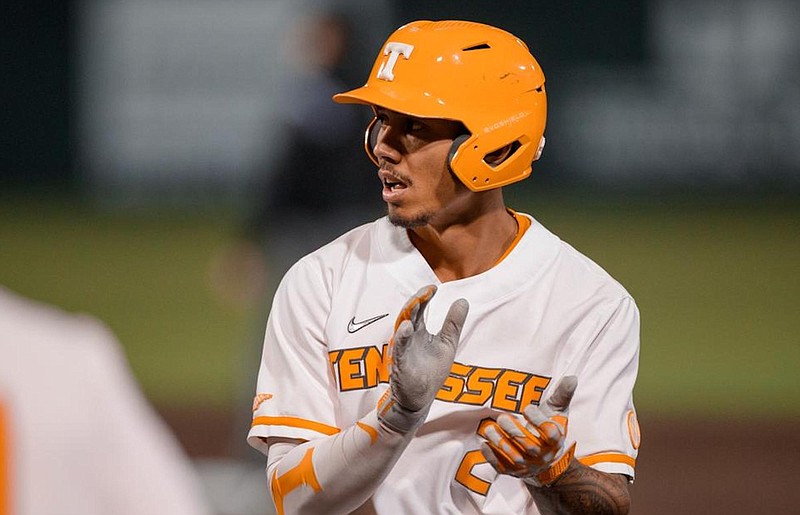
[454, 148]
[371, 139]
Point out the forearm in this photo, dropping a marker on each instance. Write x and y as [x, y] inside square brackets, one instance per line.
[336, 474]
[583, 490]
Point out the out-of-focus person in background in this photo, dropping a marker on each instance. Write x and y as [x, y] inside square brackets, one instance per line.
[77, 436]
[313, 189]
[307, 194]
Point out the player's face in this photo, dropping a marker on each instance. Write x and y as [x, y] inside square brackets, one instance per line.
[418, 187]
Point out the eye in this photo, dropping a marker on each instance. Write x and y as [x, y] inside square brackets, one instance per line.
[415, 125]
[381, 117]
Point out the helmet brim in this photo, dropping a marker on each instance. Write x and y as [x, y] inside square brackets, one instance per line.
[409, 102]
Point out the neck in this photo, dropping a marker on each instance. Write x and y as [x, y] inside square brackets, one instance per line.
[470, 246]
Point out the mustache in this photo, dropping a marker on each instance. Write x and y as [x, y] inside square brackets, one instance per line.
[389, 168]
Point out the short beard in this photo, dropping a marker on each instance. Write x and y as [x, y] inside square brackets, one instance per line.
[410, 223]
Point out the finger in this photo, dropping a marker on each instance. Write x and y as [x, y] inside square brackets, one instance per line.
[454, 323]
[424, 295]
[501, 444]
[534, 415]
[550, 430]
[414, 307]
[491, 457]
[559, 401]
[401, 339]
[524, 437]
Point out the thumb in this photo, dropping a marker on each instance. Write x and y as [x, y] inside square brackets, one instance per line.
[562, 396]
[454, 322]
[401, 338]
[415, 306]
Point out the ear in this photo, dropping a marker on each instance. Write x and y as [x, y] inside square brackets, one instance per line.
[371, 139]
[498, 156]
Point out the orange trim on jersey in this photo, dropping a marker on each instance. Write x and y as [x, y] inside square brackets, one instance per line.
[5, 462]
[371, 431]
[302, 474]
[302, 423]
[523, 224]
[607, 457]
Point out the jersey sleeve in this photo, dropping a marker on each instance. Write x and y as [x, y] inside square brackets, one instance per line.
[136, 464]
[294, 393]
[602, 417]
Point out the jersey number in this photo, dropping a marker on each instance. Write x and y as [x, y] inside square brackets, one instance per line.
[471, 459]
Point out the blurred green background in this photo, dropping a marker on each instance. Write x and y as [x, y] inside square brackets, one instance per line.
[717, 284]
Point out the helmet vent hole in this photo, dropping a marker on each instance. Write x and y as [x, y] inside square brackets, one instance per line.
[479, 46]
[501, 155]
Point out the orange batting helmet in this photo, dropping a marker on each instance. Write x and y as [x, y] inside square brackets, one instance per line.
[469, 72]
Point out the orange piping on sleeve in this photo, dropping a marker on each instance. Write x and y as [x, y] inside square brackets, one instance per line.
[296, 422]
[607, 457]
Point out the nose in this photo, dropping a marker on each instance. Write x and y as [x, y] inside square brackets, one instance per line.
[386, 143]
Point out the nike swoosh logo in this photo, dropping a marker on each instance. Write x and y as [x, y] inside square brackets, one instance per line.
[353, 326]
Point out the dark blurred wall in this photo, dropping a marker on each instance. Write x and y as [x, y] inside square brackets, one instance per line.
[562, 33]
[35, 49]
[643, 94]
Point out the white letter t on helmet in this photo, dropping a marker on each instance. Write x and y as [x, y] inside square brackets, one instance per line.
[393, 50]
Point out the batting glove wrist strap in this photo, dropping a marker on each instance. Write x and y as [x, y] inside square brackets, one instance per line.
[397, 418]
[556, 470]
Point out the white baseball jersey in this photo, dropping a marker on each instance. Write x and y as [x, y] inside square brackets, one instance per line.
[76, 435]
[543, 312]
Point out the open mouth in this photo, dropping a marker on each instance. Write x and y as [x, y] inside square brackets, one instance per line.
[393, 184]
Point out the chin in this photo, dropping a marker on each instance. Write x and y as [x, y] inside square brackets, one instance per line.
[409, 221]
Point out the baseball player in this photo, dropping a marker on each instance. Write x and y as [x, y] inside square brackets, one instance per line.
[76, 435]
[454, 356]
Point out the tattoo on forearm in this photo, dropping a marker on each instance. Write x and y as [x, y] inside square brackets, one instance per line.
[583, 490]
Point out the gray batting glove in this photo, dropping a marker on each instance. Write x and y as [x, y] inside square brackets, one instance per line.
[533, 448]
[419, 362]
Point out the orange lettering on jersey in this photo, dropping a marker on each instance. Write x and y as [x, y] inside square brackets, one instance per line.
[5, 462]
[508, 390]
[454, 384]
[466, 478]
[376, 366]
[361, 367]
[532, 390]
[508, 387]
[351, 374]
[480, 385]
[333, 357]
[302, 474]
